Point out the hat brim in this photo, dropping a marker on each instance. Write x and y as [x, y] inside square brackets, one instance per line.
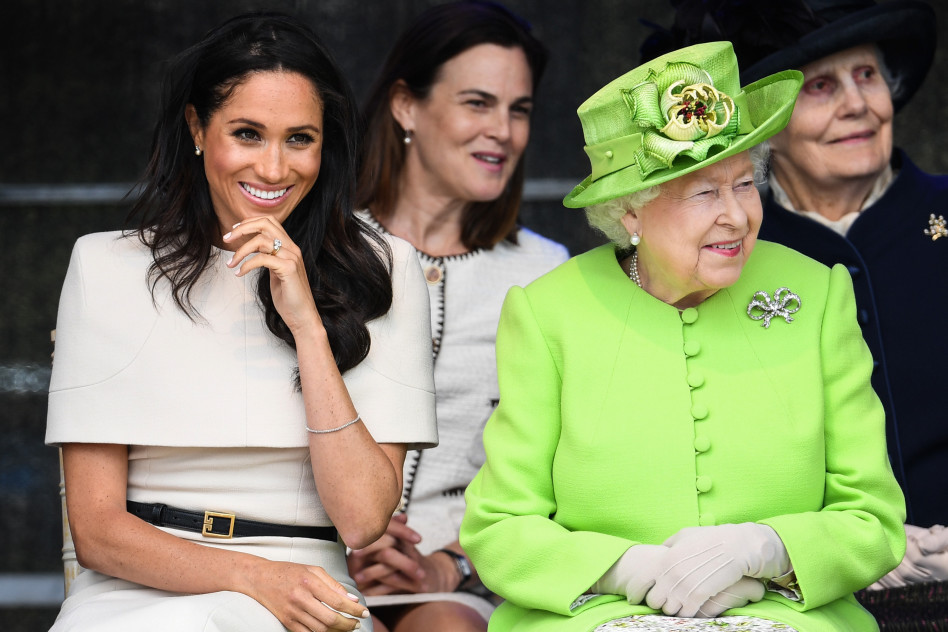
[904, 31]
[773, 99]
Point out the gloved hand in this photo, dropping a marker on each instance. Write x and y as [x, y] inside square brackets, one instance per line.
[704, 561]
[633, 573]
[926, 558]
[746, 589]
[934, 548]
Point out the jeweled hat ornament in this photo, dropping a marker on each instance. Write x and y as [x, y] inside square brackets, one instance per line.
[676, 114]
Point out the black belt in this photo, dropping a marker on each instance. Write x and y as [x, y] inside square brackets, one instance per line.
[216, 524]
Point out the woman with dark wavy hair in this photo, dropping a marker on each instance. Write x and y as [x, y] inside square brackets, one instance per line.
[244, 415]
[448, 121]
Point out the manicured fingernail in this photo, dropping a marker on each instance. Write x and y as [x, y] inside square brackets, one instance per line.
[230, 261]
[365, 613]
[236, 225]
[358, 625]
[227, 236]
[352, 597]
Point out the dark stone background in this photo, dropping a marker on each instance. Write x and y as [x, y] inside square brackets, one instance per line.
[79, 90]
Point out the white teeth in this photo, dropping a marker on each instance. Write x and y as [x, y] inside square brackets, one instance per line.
[263, 195]
[494, 160]
[726, 246]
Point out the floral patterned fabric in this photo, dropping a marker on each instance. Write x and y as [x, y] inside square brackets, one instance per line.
[659, 623]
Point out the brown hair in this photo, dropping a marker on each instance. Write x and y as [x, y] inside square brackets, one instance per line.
[436, 36]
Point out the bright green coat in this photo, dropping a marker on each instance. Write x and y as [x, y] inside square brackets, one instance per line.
[620, 423]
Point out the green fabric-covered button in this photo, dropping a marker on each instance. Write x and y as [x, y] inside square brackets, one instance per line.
[690, 315]
[699, 411]
[703, 484]
[692, 347]
[702, 443]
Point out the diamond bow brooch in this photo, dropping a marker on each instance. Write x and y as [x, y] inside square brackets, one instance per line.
[783, 303]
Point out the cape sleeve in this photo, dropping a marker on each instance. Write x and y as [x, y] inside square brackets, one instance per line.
[393, 388]
[132, 371]
[857, 536]
[509, 529]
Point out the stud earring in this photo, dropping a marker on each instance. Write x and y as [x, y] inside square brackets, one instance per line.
[197, 150]
[635, 239]
[407, 138]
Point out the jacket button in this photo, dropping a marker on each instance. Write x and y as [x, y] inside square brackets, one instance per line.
[689, 316]
[703, 484]
[863, 316]
[706, 520]
[702, 444]
[692, 347]
[699, 411]
[433, 275]
[854, 271]
[695, 379]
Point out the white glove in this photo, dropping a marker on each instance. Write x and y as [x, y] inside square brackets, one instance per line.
[746, 589]
[704, 561]
[634, 573]
[926, 558]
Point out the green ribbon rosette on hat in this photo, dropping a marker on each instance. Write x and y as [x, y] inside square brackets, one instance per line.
[678, 113]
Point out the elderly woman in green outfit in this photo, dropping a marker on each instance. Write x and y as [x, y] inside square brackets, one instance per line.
[698, 437]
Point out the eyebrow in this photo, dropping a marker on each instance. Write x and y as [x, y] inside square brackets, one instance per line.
[490, 97]
[297, 128]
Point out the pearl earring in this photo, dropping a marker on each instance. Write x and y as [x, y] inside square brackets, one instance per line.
[407, 138]
[635, 239]
[197, 150]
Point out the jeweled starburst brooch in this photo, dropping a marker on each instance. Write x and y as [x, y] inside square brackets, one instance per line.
[783, 303]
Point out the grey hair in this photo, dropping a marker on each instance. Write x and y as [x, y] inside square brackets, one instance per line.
[606, 217]
[895, 83]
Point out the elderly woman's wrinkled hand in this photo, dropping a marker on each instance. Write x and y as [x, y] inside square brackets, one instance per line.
[926, 558]
[744, 591]
[704, 561]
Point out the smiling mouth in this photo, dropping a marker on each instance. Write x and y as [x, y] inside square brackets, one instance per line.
[264, 195]
[729, 246]
[494, 160]
[857, 136]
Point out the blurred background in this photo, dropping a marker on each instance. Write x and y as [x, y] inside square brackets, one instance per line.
[80, 87]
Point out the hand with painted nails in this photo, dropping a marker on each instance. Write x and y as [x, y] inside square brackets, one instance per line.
[305, 598]
[273, 249]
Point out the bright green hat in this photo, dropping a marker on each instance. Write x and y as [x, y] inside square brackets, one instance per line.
[676, 114]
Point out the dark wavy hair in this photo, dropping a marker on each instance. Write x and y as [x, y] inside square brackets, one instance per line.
[347, 264]
[436, 36]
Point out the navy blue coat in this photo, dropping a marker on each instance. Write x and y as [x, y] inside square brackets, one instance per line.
[900, 276]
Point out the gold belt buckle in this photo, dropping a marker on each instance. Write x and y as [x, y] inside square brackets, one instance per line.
[209, 524]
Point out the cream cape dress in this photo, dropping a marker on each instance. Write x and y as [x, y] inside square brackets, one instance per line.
[211, 416]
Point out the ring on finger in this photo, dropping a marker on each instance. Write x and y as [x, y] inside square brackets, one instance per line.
[277, 244]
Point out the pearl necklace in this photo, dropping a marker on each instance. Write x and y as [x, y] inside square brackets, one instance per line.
[634, 269]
